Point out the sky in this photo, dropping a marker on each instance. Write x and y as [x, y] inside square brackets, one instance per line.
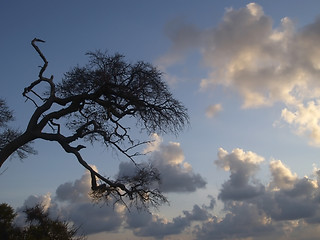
[247, 166]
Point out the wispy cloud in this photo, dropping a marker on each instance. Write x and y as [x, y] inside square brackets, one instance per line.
[213, 110]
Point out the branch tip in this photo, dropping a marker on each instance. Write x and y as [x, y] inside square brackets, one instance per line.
[38, 40]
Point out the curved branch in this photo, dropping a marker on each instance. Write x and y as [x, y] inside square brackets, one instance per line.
[43, 68]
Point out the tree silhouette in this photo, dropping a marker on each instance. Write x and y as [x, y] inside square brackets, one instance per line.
[94, 103]
[8, 134]
[38, 225]
[7, 229]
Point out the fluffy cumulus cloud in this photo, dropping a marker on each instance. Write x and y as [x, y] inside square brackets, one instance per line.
[176, 174]
[242, 166]
[75, 205]
[263, 63]
[285, 208]
[305, 119]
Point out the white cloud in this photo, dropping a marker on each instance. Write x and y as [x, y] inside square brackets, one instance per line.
[154, 144]
[306, 120]
[245, 52]
[282, 177]
[44, 200]
[264, 64]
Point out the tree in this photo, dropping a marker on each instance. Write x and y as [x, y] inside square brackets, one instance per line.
[93, 104]
[38, 225]
[7, 215]
[8, 134]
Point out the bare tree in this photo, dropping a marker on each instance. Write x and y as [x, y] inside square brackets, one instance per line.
[92, 104]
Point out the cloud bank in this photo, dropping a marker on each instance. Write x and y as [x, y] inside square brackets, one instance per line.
[72, 201]
[285, 207]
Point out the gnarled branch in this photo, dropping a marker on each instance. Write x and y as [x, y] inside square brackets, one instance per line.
[95, 102]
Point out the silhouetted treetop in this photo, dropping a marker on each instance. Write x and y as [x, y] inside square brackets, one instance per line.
[114, 89]
[38, 225]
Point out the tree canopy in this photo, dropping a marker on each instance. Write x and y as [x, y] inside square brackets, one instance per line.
[93, 104]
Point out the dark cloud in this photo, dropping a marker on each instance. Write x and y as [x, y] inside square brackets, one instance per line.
[137, 219]
[160, 227]
[73, 203]
[279, 211]
[197, 214]
[242, 221]
[242, 166]
[93, 218]
[230, 191]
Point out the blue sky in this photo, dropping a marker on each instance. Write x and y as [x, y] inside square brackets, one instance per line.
[245, 168]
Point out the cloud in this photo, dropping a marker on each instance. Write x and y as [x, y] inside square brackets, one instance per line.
[76, 206]
[242, 166]
[245, 52]
[154, 144]
[72, 203]
[159, 227]
[93, 218]
[76, 191]
[243, 221]
[184, 37]
[305, 120]
[213, 110]
[282, 177]
[287, 208]
[263, 63]
[176, 174]
[32, 200]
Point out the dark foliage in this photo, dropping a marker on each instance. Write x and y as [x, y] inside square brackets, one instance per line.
[38, 226]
